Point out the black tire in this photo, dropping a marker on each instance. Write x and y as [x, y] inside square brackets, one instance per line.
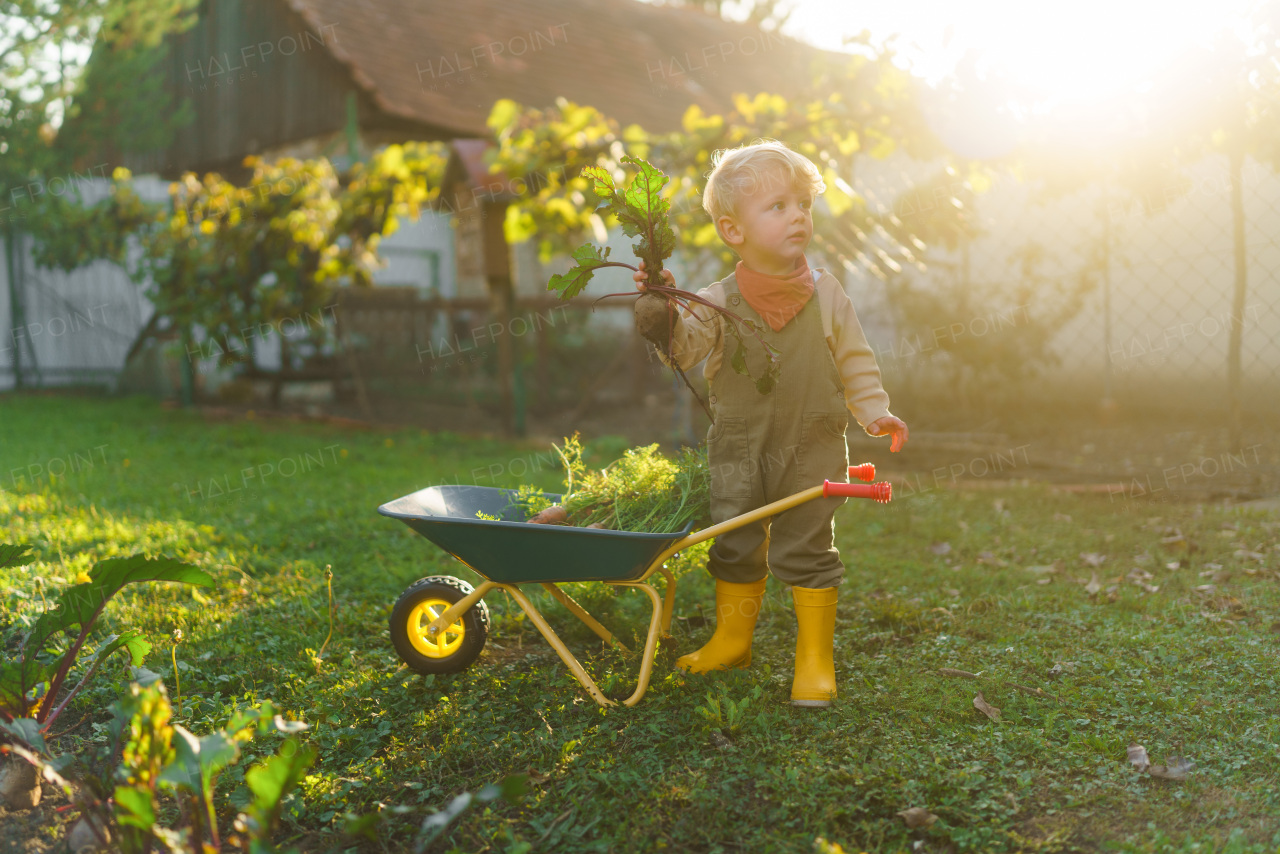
[411, 615]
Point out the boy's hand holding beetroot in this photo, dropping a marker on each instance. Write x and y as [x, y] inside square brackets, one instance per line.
[653, 313]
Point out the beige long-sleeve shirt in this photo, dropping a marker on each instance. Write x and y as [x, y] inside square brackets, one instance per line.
[694, 340]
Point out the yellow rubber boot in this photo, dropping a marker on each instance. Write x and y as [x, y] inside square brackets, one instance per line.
[815, 679]
[737, 606]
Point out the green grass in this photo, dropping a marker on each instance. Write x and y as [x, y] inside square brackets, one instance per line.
[1180, 670]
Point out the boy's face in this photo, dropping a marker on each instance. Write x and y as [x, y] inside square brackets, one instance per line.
[773, 227]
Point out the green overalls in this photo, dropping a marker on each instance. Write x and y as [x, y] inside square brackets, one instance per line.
[763, 447]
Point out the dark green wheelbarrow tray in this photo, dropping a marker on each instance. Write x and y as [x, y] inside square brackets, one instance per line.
[440, 623]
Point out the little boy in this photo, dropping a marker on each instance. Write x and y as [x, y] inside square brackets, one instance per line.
[763, 447]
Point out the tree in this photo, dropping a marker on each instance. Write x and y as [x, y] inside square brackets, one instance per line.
[222, 262]
[862, 106]
[1224, 101]
[42, 44]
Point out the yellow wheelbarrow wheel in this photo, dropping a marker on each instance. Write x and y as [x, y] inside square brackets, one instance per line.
[453, 649]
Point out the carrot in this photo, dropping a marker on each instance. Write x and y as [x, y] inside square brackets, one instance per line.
[553, 515]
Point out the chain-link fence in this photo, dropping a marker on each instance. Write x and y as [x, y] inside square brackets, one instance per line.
[1096, 325]
[1114, 298]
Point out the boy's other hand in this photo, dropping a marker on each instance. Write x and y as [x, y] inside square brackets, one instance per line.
[894, 427]
[640, 276]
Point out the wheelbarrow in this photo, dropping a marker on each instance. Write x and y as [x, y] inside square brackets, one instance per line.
[440, 623]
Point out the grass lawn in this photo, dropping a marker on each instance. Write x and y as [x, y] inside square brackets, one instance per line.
[1173, 645]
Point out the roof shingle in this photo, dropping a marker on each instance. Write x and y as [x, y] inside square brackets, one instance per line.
[444, 63]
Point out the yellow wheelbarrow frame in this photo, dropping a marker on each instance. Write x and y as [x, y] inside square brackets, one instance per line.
[660, 621]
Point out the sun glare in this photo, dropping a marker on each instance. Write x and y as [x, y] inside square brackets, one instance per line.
[1059, 53]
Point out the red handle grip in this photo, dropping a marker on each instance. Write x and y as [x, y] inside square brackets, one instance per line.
[882, 491]
[865, 471]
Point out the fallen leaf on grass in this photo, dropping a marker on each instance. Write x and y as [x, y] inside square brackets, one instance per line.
[1228, 604]
[940, 548]
[989, 559]
[918, 817]
[1092, 558]
[1093, 586]
[1177, 768]
[1043, 570]
[986, 708]
[951, 671]
[1173, 564]
[1035, 692]
[1139, 575]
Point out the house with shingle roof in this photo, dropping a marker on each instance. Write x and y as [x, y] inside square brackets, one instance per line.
[340, 78]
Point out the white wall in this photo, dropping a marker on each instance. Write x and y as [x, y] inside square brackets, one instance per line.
[81, 324]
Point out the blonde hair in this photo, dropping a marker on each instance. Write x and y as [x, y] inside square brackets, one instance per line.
[738, 173]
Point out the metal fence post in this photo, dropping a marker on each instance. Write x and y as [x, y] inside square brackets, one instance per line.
[15, 305]
[1108, 375]
[17, 314]
[1234, 344]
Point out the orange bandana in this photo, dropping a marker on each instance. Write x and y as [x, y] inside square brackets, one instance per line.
[777, 299]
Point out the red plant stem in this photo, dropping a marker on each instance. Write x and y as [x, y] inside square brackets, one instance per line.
[678, 294]
[55, 684]
[679, 301]
[76, 690]
[688, 385]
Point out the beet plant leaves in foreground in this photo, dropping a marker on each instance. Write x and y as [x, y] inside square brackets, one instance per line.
[77, 608]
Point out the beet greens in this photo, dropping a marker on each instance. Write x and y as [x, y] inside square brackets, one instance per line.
[641, 210]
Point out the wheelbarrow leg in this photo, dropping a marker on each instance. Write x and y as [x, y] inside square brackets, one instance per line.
[668, 601]
[558, 645]
[651, 642]
[581, 613]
